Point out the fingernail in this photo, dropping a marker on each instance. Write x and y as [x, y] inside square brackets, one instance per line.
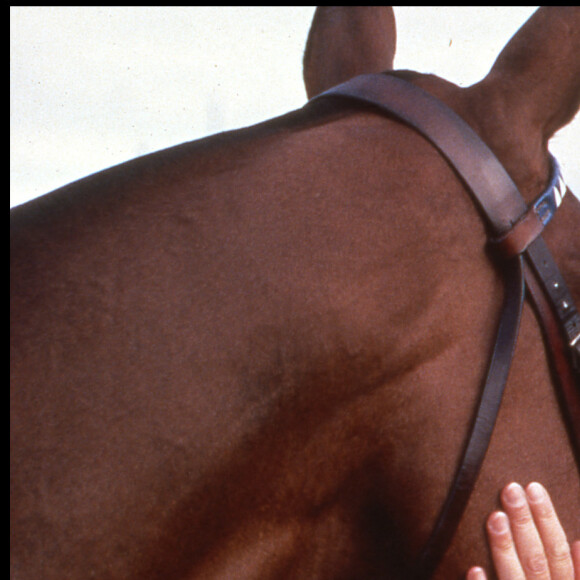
[476, 574]
[536, 492]
[498, 522]
[513, 494]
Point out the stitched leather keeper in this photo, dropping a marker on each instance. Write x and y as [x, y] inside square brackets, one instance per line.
[522, 234]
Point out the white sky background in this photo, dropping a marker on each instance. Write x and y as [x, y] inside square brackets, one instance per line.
[91, 87]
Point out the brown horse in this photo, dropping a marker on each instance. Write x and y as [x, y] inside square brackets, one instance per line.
[257, 355]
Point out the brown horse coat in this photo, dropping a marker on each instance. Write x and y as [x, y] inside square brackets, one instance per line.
[257, 355]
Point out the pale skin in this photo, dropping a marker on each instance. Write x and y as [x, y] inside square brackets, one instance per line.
[526, 539]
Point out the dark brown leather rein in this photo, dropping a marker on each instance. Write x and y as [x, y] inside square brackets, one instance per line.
[515, 232]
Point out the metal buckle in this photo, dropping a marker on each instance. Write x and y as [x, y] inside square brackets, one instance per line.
[572, 328]
[575, 350]
[549, 201]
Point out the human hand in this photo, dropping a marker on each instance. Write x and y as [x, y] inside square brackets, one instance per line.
[527, 540]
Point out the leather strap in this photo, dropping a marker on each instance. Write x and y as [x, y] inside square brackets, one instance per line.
[504, 209]
[495, 192]
[562, 305]
[516, 240]
[518, 230]
[557, 346]
[482, 426]
[531, 225]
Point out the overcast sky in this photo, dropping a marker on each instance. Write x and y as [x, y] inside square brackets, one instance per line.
[91, 87]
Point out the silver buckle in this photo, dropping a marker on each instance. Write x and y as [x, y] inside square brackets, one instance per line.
[575, 349]
[549, 201]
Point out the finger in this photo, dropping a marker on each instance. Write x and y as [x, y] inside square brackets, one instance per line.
[525, 534]
[553, 538]
[503, 549]
[476, 573]
[576, 559]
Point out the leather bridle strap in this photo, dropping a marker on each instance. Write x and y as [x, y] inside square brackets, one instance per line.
[492, 187]
[482, 425]
[560, 322]
[517, 230]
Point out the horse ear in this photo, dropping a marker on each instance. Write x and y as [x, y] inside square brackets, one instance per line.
[537, 75]
[345, 41]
